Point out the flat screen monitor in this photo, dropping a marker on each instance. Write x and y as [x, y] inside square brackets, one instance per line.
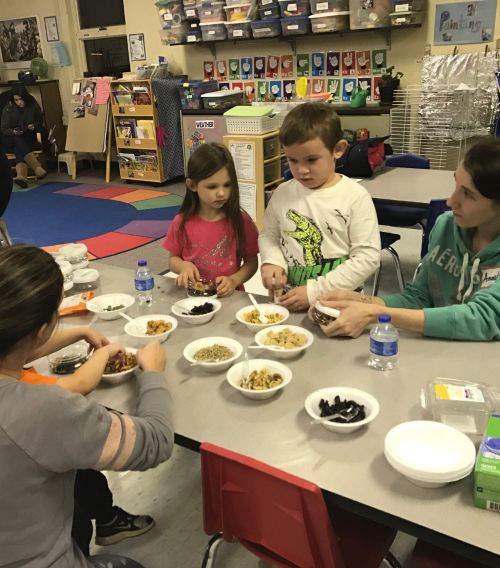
[99, 14]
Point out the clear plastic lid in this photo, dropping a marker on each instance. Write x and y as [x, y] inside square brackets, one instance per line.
[85, 276]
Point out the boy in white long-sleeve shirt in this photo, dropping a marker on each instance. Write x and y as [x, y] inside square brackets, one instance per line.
[320, 228]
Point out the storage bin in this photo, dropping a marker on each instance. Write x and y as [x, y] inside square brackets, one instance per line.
[240, 120]
[266, 28]
[264, 3]
[374, 14]
[189, 3]
[193, 36]
[190, 92]
[238, 12]
[191, 12]
[272, 171]
[296, 25]
[213, 31]
[175, 33]
[332, 22]
[269, 12]
[222, 99]
[171, 12]
[327, 6]
[239, 30]
[408, 5]
[211, 12]
[294, 8]
[271, 147]
[405, 18]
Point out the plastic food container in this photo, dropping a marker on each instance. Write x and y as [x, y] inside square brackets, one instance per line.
[76, 254]
[294, 8]
[68, 360]
[332, 22]
[406, 18]
[85, 279]
[213, 31]
[323, 315]
[269, 12]
[266, 28]
[327, 6]
[176, 33]
[295, 25]
[222, 99]
[465, 405]
[239, 30]
[190, 91]
[67, 272]
[238, 12]
[211, 12]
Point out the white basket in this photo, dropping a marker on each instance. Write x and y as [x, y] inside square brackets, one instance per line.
[251, 124]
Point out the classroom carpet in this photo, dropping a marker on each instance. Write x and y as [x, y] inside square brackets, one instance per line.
[107, 219]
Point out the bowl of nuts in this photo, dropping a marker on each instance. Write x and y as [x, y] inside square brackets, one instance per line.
[121, 368]
[202, 288]
[259, 378]
[284, 341]
[196, 310]
[213, 354]
[151, 327]
[270, 314]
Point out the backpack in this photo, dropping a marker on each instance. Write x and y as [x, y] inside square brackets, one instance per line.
[362, 158]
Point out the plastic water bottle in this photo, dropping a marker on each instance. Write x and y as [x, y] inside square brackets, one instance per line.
[383, 344]
[144, 283]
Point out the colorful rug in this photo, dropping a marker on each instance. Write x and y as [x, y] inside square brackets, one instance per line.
[107, 219]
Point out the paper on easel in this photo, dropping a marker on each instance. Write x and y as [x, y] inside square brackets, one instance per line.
[102, 90]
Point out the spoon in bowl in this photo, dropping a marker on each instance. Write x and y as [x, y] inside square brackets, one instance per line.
[256, 305]
[347, 413]
[127, 317]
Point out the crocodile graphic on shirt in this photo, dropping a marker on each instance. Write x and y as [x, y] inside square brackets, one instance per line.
[308, 235]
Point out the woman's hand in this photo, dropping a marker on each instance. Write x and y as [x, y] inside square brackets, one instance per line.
[295, 299]
[225, 286]
[353, 318]
[188, 273]
[152, 357]
[94, 338]
[273, 276]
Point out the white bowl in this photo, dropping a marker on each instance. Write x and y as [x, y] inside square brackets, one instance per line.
[118, 378]
[370, 403]
[265, 309]
[137, 328]
[236, 372]
[429, 454]
[98, 304]
[181, 308]
[282, 352]
[214, 367]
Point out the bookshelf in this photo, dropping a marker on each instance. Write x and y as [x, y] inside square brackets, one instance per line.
[135, 120]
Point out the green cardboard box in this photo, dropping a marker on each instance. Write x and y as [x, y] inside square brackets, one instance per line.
[487, 469]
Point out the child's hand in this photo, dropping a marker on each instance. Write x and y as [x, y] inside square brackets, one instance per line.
[273, 276]
[152, 357]
[225, 286]
[94, 338]
[295, 299]
[188, 273]
[113, 349]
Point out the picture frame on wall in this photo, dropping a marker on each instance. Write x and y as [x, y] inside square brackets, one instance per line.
[137, 47]
[20, 42]
[51, 30]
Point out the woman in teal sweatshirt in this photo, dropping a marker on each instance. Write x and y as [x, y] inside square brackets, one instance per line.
[456, 294]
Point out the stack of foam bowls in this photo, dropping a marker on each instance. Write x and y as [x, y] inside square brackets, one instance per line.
[429, 454]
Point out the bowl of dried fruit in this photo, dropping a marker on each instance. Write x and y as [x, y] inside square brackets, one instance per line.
[151, 327]
[213, 354]
[270, 314]
[109, 306]
[196, 310]
[259, 378]
[121, 368]
[284, 341]
[202, 289]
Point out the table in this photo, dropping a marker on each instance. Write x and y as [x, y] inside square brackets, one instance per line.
[409, 186]
[278, 431]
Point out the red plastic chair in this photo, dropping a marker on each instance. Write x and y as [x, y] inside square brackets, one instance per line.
[281, 518]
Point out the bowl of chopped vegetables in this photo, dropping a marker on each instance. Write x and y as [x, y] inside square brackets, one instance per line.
[213, 354]
[151, 327]
[109, 306]
[121, 368]
[196, 311]
[259, 378]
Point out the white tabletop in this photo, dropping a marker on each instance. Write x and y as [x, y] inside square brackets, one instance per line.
[410, 186]
[278, 431]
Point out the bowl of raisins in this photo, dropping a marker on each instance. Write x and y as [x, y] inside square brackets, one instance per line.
[196, 311]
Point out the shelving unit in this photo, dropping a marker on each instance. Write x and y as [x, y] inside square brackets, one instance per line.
[135, 119]
[257, 158]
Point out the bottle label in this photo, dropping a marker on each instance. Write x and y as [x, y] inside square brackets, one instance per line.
[144, 285]
[383, 348]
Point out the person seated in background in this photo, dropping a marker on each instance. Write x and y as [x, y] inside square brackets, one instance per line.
[21, 121]
[48, 433]
[93, 497]
[456, 293]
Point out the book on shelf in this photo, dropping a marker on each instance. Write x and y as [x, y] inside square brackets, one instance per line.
[145, 129]
[123, 97]
[126, 128]
[141, 98]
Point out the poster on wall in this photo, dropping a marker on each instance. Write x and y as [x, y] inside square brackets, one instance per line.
[19, 42]
[465, 22]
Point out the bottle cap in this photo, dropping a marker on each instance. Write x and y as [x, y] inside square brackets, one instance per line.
[384, 318]
[142, 262]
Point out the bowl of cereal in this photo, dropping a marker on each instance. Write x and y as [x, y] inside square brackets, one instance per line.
[109, 306]
[196, 311]
[259, 378]
[213, 354]
[284, 341]
[151, 327]
[270, 314]
[121, 368]
[202, 288]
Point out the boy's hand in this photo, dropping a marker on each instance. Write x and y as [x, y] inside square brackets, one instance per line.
[225, 286]
[152, 357]
[94, 338]
[273, 276]
[295, 299]
[188, 273]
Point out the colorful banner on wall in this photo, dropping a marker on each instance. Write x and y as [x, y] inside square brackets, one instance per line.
[465, 22]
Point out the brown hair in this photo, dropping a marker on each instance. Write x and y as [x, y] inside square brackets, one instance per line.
[482, 163]
[31, 286]
[204, 162]
[309, 121]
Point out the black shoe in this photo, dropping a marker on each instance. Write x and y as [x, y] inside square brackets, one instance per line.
[124, 525]
[22, 183]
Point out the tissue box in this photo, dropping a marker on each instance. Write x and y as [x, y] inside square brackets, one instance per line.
[487, 469]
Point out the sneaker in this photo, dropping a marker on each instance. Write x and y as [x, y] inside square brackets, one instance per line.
[124, 525]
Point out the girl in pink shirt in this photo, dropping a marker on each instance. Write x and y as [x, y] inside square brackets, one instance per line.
[212, 238]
